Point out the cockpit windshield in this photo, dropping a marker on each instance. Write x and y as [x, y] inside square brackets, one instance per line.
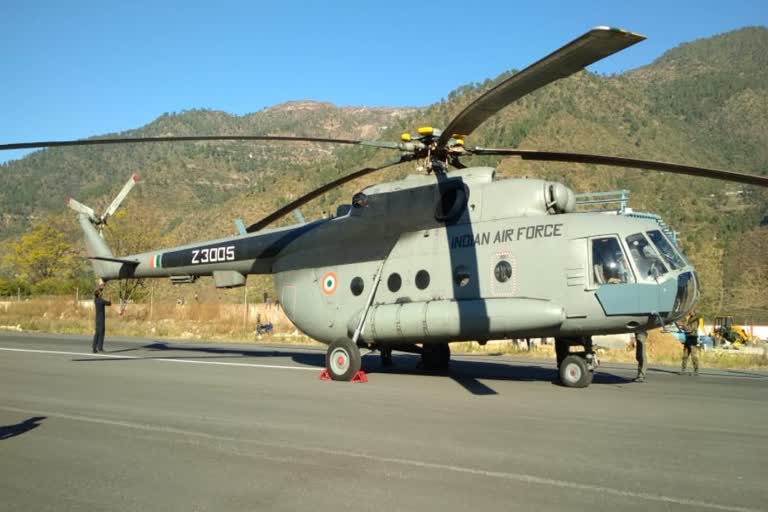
[648, 261]
[666, 249]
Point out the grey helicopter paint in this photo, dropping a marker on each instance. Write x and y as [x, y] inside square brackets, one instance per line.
[547, 287]
[448, 255]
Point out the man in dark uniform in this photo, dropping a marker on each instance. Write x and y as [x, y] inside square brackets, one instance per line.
[691, 345]
[99, 306]
[640, 355]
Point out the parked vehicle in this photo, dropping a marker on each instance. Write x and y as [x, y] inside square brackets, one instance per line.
[706, 342]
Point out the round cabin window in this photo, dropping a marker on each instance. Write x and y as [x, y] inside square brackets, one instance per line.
[503, 271]
[357, 286]
[422, 279]
[394, 282]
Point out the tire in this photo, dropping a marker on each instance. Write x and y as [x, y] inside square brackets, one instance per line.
[343, 359]
[574, 372]
[436, 356]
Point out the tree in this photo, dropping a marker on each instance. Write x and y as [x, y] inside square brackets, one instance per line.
[135, 228]
[43, 257]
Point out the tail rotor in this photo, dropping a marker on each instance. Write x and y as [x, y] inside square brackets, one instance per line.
[101, 220]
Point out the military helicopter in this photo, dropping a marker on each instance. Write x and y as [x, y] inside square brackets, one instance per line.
[447, 255]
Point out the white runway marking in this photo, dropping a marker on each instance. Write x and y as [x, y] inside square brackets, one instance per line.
[163, 359]
[517, 477]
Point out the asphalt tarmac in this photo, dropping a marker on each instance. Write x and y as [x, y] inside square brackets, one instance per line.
[155, 425]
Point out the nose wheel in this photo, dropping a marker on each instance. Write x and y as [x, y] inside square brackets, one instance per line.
[343, 359]
[575, 369]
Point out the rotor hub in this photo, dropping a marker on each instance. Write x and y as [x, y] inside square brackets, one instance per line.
[435, 156]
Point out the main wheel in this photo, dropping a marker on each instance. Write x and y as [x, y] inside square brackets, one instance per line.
[343, 359]
[574, 372]
[436, 356]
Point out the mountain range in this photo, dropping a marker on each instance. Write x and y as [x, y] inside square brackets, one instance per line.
[703, 103]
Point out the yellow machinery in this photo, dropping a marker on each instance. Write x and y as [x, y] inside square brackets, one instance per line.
[724, 329]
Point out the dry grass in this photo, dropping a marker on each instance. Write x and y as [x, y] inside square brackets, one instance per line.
[662, 350]
[228, 322]
[223, 322]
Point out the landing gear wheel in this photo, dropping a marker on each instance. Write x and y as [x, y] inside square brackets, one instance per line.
[435, 356]
[343, 359]
[574, 372]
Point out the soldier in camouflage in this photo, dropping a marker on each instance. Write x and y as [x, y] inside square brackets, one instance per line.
[691, 345]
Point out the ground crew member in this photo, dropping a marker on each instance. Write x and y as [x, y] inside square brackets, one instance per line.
[99, 305]
[640, 355]
[691, 345]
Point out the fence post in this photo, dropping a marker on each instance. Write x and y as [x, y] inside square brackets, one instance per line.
[245, 309]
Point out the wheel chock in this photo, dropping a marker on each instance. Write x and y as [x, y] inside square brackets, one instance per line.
[360, 376]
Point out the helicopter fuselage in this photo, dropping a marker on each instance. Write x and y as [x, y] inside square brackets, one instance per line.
[460, 257]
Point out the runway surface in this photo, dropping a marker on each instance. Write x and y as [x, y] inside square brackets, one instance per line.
[187, 426]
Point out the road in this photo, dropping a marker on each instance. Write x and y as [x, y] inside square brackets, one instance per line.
[189, 426]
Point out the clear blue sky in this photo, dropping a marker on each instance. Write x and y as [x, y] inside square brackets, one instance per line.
[74, 69]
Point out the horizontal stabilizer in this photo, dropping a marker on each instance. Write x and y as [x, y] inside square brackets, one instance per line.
[114, 260]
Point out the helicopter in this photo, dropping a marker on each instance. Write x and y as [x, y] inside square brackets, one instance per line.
[450, 254]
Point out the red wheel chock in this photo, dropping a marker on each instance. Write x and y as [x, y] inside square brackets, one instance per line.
[360, 376]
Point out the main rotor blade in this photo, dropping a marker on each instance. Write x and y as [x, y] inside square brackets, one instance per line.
[285, 210]
[583, 158]
[596, 44]
[137, 140]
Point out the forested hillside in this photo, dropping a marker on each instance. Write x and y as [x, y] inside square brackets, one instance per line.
[704, 103]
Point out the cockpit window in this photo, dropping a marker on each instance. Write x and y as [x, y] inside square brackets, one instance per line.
[609, 266]
[648, 261]
[666, 249]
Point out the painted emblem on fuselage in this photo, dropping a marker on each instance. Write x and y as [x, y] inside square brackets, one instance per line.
[329, 282]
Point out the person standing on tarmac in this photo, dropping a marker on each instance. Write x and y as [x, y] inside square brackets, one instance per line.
[99, 304]
[640, 355]
[691, 345]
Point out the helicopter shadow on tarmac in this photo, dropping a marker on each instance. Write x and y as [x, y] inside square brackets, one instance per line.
[469, 374]
[9, 431]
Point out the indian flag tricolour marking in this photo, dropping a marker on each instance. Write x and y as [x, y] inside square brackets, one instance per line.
[154, 261]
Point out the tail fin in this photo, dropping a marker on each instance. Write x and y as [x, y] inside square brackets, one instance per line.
[104, 263]
[97, 247]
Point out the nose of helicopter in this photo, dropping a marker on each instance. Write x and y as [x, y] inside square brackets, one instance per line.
[687, 293]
